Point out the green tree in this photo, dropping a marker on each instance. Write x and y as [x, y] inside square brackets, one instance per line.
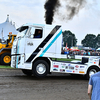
[98, 41]
[69, 38]
[89, 41]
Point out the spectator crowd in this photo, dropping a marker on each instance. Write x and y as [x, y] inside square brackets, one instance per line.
[81, 52]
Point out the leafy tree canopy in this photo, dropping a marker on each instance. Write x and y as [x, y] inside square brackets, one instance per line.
[89, 41]
[69, 38]
[97, 41]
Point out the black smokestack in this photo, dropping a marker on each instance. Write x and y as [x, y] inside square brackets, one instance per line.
[72, 8]
[50, 7]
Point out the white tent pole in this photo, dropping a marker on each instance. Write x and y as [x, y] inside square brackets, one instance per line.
[2, 33]
[7, 20]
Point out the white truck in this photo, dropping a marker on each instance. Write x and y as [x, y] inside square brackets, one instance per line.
[36, 48]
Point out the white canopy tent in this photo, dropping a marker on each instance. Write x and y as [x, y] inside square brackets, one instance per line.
[98, 49]
[7, 27]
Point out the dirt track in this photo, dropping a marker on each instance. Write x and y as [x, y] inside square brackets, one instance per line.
[14, 85]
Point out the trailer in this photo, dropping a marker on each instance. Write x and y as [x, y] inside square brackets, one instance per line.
[36, 48]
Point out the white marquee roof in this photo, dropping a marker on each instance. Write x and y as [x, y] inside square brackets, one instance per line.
[7, 27]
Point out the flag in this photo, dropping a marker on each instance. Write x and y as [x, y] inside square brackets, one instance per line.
[2, 36]
[2, 33]
[66, 45]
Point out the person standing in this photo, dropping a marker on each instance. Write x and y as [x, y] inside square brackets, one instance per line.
[94, 87]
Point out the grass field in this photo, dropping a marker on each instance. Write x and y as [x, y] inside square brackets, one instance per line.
[67, 59]
[2, 66]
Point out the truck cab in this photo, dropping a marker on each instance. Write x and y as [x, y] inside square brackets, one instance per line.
[31, 47]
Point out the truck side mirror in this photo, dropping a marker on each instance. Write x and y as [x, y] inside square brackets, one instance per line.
[32, 30]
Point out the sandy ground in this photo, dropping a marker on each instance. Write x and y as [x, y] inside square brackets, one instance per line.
[14, 85]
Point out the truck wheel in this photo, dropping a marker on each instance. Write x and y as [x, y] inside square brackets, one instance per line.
[5, 59]
[27, 72]
[40, 68]
[91, 71]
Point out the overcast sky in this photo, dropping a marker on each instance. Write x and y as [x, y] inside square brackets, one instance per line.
[87, 21]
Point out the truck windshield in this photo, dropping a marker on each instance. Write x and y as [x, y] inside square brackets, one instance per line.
[22, 31]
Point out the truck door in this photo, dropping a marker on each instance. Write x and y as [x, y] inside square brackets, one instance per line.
[33, 41]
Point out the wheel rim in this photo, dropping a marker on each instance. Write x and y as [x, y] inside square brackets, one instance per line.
[92, 71]
[7, 59]
[41, 68]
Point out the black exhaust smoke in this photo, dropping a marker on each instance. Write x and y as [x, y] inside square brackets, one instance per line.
[72, 8]
[50, 7]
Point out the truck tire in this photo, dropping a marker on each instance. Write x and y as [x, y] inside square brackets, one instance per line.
[40, 68]
[91, 71]
[27, 72]
[5, 59]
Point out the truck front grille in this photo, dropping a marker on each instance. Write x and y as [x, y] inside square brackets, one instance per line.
[13, 62]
